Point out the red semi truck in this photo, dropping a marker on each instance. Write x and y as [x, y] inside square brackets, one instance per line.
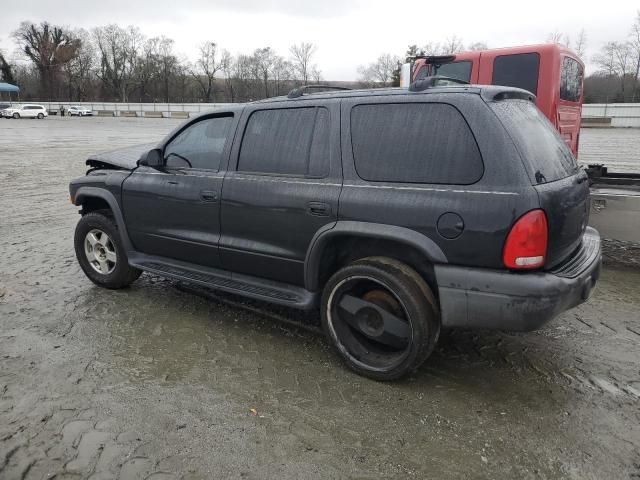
[553, 73]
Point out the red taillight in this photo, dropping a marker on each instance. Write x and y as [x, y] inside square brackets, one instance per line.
[526, 245]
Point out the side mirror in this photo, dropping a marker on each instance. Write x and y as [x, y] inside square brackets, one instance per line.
[153, 159]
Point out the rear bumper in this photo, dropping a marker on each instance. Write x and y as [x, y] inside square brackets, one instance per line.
[503, 300]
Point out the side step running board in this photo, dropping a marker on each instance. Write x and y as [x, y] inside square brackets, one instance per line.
[253, 287]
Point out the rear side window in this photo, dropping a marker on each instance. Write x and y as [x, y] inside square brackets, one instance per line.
[460, 70]
[414, 143]
[292, 141]
[519, 71]
[545, 154]
[571, 80]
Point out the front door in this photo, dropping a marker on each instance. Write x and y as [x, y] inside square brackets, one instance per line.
[174, 211]
[285, 188]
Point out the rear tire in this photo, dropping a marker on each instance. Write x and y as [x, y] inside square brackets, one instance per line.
[100, 252]
[381, 317]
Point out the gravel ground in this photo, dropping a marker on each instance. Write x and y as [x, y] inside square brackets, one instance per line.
[163, 381]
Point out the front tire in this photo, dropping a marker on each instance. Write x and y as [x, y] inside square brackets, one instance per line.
[100, 252]
[381, 317]
[16, 116]
[40, 116]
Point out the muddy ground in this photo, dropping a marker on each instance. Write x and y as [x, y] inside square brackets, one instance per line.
[160, 381]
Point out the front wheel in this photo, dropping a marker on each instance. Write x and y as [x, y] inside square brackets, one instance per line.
[381, 316]
[100, 252]
[16, 116]
[40, 116]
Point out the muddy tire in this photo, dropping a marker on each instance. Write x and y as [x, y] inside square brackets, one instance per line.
[100, 252]
[381, 316]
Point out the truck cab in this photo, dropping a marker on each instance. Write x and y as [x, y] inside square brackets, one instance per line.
[553, 73]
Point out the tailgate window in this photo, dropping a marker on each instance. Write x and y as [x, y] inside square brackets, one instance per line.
[546, 156]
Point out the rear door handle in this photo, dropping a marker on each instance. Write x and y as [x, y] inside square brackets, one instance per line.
[208, 196]
[319, 209]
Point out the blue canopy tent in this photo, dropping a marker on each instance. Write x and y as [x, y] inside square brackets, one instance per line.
[8, 88]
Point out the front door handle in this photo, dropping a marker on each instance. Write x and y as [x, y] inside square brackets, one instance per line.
[319, 209]
[208, 196]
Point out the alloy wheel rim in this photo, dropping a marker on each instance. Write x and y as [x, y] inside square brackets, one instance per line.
[100, 251]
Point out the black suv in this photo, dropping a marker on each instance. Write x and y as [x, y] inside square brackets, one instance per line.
[396, 211]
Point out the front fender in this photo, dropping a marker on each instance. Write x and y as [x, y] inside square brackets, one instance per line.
[85, 192]
[321, 239]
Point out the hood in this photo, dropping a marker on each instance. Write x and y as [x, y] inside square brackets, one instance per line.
[122, 158]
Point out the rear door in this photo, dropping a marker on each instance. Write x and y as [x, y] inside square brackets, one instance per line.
[284, 189]
[561, 185]
[174, 211]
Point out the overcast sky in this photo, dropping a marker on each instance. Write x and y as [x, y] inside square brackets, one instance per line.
[347, 33]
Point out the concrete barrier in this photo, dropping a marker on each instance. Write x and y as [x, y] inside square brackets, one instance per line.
[182, 115]
[128, 113]
[106, 113]
[596, 122]
[153, 114]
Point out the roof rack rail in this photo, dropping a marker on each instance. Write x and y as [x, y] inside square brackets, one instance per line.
[429, 82]
[298, 92]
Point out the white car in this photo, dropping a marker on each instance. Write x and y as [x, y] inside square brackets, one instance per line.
[25, 111]
[79, 111]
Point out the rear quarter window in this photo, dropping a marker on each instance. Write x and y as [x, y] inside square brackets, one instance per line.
[414, 143]
[545, 154]
[571, 80]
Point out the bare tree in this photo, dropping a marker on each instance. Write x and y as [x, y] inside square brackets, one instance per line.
[379, 72]
[477, 46]
[50, 48]
[167, 62]
[119, 50]
[282, 72]
[226, 66]
[263, 61]
[79, 70]
[206, 67]
[556, 37]
[634, 46]
[605, 59]
[452, 44]
[622, 62]
[301, 55]
[580, 45]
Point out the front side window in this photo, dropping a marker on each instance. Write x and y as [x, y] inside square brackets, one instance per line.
[520, 71]
[292, 141]
[414, 143]
[200, 145]
[571, 80]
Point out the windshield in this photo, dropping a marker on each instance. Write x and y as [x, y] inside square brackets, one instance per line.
[546, 155]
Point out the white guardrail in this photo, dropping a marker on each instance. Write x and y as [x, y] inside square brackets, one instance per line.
[621, 114]
[155, 110]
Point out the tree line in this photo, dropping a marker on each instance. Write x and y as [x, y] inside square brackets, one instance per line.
[114, 63]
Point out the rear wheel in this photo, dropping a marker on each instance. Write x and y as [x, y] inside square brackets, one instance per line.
[100, 252]
[381, 316]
